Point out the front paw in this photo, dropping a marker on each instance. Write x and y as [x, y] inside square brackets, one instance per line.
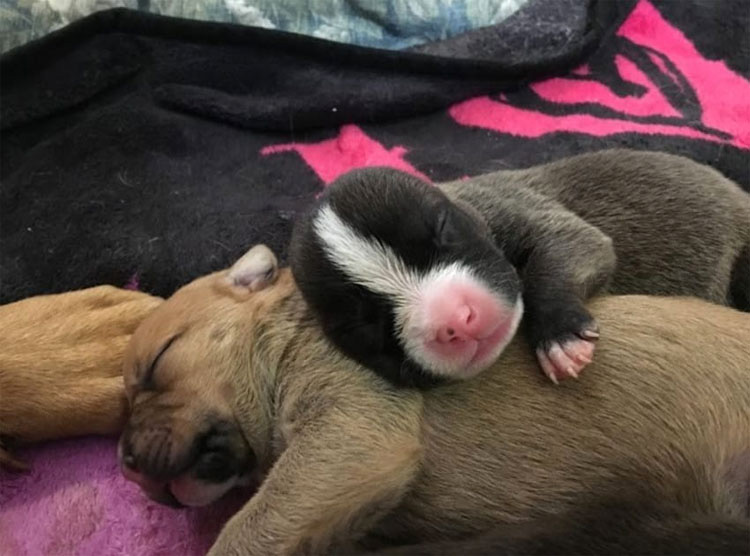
[567, 359]
[564, 340]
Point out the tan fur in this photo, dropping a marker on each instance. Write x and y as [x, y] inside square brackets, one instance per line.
[61, 363]
[348, 458]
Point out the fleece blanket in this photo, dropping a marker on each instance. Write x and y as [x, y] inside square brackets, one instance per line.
[145, 151]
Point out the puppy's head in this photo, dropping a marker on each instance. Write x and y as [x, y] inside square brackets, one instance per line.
[184, 370]
[403, 280]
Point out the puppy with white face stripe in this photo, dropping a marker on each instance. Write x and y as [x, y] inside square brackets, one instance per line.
[422, 283]
[446, 301]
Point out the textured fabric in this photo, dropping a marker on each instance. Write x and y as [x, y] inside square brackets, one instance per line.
[176, 153]
[383, 24]
[75, 502]
[149, 132]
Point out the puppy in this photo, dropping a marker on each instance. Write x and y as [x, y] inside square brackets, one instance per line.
[232, 376]
[61, 364]
[423, 283]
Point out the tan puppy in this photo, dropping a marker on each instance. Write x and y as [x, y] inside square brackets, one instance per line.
[232, 375]
[61, 361]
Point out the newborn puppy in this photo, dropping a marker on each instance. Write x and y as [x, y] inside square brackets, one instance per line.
[405, 281]
[422, 283]
[232, 376]
[61, 364]
[182, 443]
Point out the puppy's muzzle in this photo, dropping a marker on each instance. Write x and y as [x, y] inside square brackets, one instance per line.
[159, 457]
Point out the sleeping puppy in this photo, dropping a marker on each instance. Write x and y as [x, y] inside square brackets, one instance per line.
[232, 377]
[61, 364]
[423, 283]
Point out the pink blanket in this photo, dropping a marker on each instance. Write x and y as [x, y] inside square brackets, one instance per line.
[75, 502]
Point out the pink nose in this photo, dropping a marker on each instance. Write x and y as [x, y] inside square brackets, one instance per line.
[464, 313]
[458, 327]
[465, 324]
[466, 319]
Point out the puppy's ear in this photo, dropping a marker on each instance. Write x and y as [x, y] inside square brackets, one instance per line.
[255, 270]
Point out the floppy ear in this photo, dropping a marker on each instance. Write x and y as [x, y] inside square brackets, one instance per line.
[255, 270]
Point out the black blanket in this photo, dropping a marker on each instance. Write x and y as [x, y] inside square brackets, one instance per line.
[144, 151]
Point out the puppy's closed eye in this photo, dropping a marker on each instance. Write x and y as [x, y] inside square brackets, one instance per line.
[446, 233]
[146, 379]
[453, 227]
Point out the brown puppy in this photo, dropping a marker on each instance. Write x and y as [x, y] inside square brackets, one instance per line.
[232, 375]
[61, 364]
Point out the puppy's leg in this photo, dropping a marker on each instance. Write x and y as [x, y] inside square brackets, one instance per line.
[96, 406]
[331, 484]
[61, 362]
[562, 261]
[569, 262]
[93, 406]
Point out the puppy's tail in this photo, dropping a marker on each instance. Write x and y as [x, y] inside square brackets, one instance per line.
[609, 526]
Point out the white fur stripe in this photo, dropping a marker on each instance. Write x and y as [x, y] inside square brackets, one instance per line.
[368, 263]
[376, 266]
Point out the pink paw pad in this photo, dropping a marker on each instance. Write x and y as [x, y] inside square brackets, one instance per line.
[566, 359]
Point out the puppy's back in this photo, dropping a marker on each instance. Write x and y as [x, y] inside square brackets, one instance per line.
[679, 227]
[666, 399]
[660, 209]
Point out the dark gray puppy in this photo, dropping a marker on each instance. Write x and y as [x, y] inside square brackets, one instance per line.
[422, 283]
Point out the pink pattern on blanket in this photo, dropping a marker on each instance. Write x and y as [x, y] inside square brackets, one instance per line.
[75, 501]
[351, 149]
[714, 100]
[571, 91]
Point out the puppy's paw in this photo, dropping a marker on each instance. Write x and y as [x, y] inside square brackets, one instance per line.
[564, 338]
[561, 360]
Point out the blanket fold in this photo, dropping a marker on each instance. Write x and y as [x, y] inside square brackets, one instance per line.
[255, 77]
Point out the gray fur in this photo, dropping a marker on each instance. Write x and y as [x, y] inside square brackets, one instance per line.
[655, 207]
